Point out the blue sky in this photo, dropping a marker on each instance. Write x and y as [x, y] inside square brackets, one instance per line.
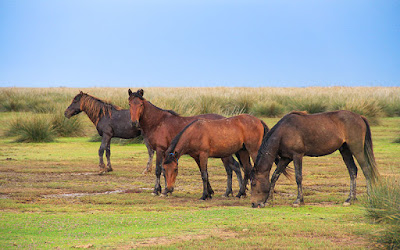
[96, 43]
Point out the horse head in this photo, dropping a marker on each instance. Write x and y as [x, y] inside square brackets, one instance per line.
[75, 107]
[170, 171]
[136, 106]
[260, 186]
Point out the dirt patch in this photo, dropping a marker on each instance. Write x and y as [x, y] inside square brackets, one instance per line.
[168, 240]
[74, 195]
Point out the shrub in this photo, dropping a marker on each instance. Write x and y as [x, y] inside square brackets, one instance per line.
[383, 206]
[67, 127]
[32, 128]
[268, 109]
[310, 104]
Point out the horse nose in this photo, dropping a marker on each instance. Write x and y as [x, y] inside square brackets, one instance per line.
[135, 124]
[170, 190]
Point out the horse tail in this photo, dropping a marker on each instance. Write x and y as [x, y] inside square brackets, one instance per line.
[266, 129]
[369, 153]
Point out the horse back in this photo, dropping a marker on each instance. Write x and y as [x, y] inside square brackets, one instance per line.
[322, 133]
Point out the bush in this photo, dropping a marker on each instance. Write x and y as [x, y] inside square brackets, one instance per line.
[67, 127]
[383, 206]
[32, 128]
[368, 108]
[268, 109]
[310, 104]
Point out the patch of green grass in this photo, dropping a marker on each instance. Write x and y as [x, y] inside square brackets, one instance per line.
[51, 195]
[266, 228]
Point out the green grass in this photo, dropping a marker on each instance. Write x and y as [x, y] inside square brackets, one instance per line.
[35, 211]
[219, 227]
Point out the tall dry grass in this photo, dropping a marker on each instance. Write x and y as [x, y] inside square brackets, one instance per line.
[372, 102]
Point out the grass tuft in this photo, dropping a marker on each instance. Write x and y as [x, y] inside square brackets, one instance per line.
[383, 206]
[31, 128]
[268, 109]
[64, 127]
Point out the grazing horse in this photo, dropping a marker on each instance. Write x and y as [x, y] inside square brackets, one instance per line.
[110, 121]
[160, 126]
[203, 139]
[299, 134]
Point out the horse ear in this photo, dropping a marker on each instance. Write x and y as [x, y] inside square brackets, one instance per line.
[129, 92]
[140, 92]
[81, 93]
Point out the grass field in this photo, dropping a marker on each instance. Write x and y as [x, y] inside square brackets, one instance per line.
[51, 197]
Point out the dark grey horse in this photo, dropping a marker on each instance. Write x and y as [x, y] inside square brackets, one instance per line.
[110, 121]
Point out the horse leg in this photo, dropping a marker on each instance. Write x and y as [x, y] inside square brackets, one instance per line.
[228, 169]
[298, 165]
[245, 160]
[230, 164]
[352, 168]
[108, 155]
[105, 140]
[159, 160]
[207, 190]
[282, 164]
[366, 169]
[150, 151]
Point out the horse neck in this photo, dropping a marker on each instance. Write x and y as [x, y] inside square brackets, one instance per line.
[93, 113]
[151, 117]
[266, 156]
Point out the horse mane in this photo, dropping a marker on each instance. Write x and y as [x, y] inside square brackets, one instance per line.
[166, 110]
[299, 113]
[264, 144]
[174, 142]
[96, 108]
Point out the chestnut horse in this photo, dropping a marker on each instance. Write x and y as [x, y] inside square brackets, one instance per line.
[160, 126]
[203, 139]
[110, 121]
[299, 134]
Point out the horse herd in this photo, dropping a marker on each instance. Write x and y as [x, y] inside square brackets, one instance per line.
[170, 135]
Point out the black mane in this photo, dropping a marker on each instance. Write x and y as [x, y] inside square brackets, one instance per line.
[174, 142]
[166, 110]
[264, 144]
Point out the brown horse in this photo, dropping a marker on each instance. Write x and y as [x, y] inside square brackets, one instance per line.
[298, 134]
[203, 139]
[160, 126]
[110, 121]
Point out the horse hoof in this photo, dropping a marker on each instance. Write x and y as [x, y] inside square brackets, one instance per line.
[146, 171]
[154, 194]
[346, 204]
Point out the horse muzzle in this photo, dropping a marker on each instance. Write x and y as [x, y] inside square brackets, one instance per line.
[257, 205]
[135, 124]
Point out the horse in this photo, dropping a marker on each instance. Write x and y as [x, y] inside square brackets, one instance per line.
[110, 121]
[203, 139]
[300, 134]
[160, 126]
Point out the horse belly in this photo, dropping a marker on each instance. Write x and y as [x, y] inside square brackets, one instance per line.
[323, 146]
[223, 143]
